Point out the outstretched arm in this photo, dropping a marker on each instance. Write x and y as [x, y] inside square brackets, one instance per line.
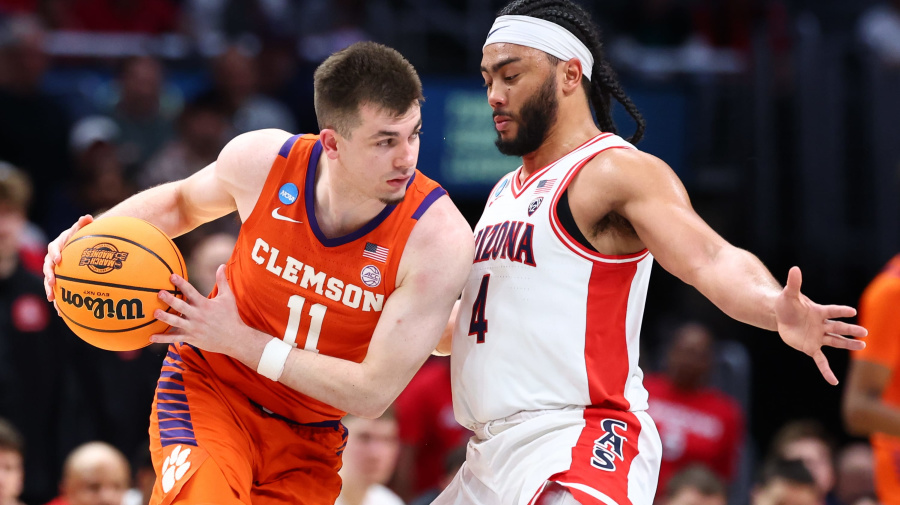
[433, 269]
[649, 195]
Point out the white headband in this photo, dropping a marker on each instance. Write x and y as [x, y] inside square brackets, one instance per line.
[543, 35]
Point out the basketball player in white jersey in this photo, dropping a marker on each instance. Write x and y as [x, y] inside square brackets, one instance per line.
[545, 346]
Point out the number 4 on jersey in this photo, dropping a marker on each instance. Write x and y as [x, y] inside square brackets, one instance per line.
[479, 325]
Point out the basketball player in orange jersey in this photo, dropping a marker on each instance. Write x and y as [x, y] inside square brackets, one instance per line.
[344, 274]
[872, 395]
[545, 348]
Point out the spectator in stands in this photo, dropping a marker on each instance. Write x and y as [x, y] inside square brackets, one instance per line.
[786, 482]
[855, 469]
[658, 23]
[695, 485]
[732, 24]
[34, 127]
[33, 349]
[236, 90]
[143, 477]
[879, 30]
[12, 467]
[202, 132]
[144, 124]
[206, 256]
[808, 441]
[327, 26]
[452, 463]
[696, 423]
[215, 22]
[131, 16]
[428, 430]
[99, 174]
[95, 473]
[369, 460]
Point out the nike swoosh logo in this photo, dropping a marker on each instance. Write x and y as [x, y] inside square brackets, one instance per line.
[279, 217]
[495, 31]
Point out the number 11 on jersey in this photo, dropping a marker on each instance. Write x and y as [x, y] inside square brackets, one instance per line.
[479, 325]
[316, 312]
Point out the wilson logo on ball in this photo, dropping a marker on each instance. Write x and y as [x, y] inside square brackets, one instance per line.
[102, 258]
[123, 309]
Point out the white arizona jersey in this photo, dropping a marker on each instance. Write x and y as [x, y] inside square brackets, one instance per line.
[544, 321]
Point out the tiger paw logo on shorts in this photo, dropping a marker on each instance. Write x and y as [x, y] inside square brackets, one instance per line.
[174, 467]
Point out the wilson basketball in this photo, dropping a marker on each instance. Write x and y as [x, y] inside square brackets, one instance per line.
[108, 280]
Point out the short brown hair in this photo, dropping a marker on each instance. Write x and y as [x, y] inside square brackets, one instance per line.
[15, 187]
[799, 430]
[698, 477]
[10, 438]
[366, 73]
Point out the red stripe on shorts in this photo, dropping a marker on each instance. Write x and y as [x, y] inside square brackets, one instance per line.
[601, 459]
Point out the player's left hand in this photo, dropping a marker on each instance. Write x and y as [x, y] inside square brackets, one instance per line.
[211, 324]
[807, 326]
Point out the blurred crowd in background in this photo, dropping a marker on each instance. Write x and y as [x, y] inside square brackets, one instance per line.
[777, 114]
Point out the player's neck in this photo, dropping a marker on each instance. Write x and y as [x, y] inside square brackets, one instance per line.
[564, 137]
[341, 208]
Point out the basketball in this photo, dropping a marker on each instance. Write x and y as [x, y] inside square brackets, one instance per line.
[108, 280]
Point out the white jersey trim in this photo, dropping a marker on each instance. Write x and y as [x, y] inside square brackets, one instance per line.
[518, 188]
[564, 237]
[589, 490]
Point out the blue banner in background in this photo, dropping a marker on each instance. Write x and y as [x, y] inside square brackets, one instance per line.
[457, 147]
[458, 150]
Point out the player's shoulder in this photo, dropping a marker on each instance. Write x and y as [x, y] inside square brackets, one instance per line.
[626, 161]
[441, 240]
[443, 223]
[247, 158]
[255, 145]
[628, 172]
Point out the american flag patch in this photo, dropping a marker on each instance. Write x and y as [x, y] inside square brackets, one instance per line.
[375, 252]
[544, 186]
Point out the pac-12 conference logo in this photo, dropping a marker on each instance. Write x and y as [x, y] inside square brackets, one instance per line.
[288, 193]
[533, 206]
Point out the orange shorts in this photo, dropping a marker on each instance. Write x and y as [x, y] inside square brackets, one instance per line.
[211, 444]
[887, 468]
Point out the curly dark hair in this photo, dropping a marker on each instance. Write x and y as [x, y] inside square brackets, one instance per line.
[603, 85]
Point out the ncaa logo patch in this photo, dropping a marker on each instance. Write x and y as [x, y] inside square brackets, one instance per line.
[288, 193]
[501, 187]
[533, 206]
[370, 276]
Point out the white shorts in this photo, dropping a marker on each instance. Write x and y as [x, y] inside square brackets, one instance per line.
[602, 456]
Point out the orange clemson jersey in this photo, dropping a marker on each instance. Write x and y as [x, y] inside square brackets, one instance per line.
[321, 294]
[878, 313]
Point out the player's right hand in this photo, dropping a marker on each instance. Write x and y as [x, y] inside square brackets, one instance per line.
[54, 255]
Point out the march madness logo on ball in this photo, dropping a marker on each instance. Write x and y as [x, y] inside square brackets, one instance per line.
[102, 258]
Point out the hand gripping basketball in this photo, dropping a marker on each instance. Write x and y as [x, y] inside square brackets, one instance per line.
[106, 280]
[54, 255]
